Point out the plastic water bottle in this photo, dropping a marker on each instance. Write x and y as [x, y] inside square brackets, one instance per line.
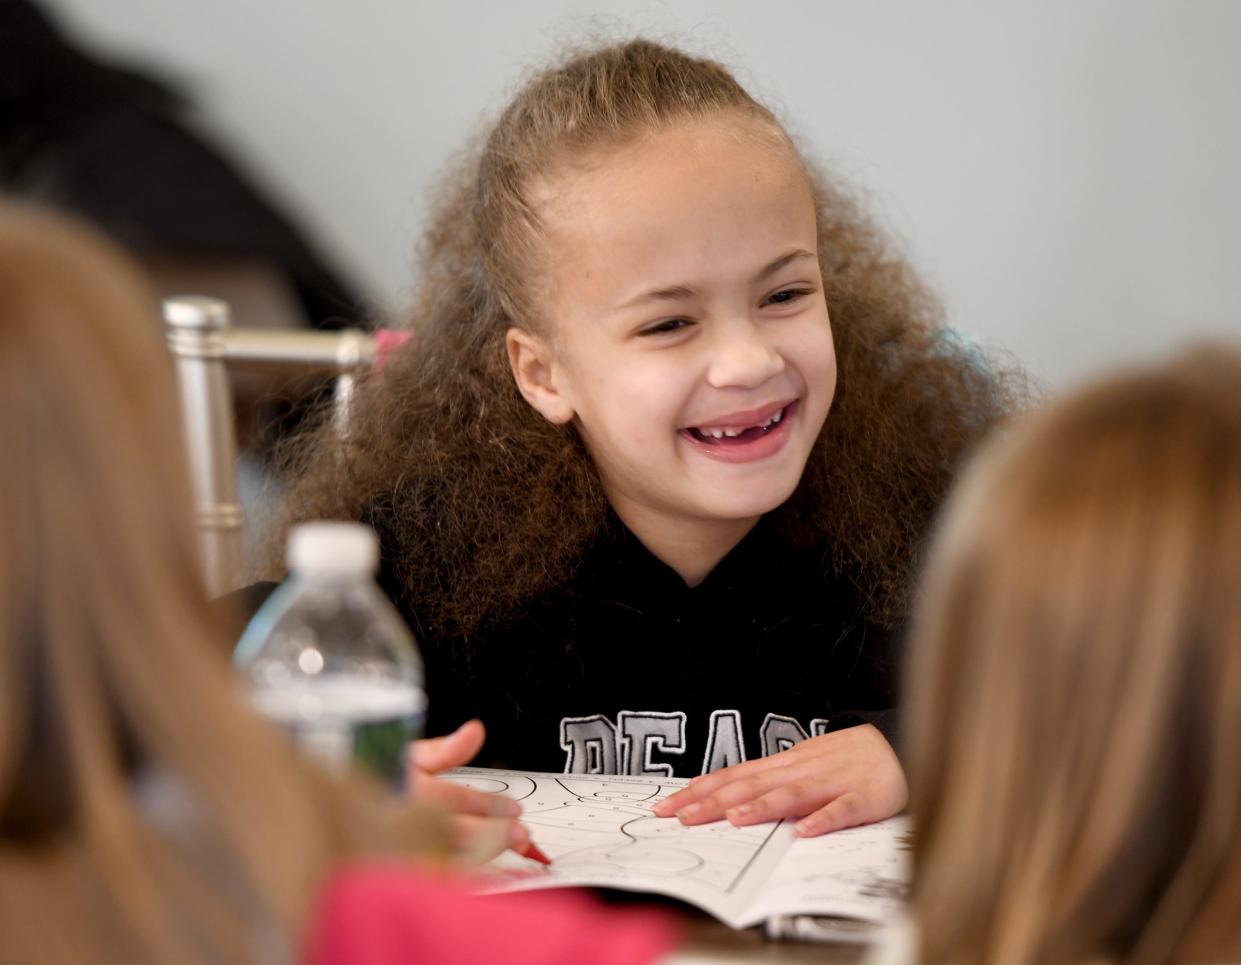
[329, 659]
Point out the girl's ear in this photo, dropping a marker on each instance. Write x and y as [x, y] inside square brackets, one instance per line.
[539, 379]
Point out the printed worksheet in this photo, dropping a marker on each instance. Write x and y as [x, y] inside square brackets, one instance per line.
[599, 831]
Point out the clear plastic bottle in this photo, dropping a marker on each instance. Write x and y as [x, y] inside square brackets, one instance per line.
[329, 659]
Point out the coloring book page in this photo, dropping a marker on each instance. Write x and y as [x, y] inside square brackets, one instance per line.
[598, 830]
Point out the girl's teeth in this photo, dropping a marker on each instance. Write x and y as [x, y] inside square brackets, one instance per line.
[731, 433]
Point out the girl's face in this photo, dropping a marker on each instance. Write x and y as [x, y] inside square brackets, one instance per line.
[689, 337]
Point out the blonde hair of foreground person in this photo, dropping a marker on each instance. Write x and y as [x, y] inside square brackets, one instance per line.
[112, 674]
[1075, 681]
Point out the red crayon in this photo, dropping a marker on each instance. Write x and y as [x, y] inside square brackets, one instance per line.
[532, 852]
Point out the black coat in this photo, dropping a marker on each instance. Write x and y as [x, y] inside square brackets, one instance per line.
[626, 669]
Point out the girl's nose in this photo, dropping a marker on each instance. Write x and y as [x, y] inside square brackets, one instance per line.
[742, 358]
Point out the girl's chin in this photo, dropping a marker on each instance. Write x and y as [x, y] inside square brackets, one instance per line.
[730, 505]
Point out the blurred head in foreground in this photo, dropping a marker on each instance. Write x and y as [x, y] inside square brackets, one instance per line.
[144, 815]
[1075, 681]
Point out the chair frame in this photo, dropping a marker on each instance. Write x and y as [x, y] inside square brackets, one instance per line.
[204, 346]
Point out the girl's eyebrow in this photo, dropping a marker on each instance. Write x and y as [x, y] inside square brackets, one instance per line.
[680, 292]
[783, 260]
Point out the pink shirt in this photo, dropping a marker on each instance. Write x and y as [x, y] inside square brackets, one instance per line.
[387, 913]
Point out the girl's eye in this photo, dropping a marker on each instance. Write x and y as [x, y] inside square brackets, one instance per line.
[666, 326]
[787, 295]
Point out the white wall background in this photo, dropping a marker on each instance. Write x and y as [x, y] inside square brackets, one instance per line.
[1065, 173]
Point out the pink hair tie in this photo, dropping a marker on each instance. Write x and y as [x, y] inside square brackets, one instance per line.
[387, 340]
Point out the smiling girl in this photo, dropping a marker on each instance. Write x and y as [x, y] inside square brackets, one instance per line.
[653, 471]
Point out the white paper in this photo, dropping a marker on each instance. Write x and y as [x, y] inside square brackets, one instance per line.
[599, 831]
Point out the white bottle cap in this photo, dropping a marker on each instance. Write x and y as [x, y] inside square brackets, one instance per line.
[333, 549]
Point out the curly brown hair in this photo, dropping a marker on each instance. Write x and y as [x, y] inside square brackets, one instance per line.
[487, 506]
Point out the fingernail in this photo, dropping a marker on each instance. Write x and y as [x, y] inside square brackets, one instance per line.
[689, 811]
[737, 813]
[802, 828]
[518, 836]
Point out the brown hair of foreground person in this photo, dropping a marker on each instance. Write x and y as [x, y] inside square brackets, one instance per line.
[1075, 682]
[144, 814]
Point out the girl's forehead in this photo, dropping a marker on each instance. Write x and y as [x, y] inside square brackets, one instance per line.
[689, 207]
[687, 146]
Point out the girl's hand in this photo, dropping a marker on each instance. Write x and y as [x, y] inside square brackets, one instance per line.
[833, 781]
[486, 824]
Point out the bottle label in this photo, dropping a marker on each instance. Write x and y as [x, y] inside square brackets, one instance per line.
[345, 722]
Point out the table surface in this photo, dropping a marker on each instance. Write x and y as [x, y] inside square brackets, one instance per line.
[711, 942]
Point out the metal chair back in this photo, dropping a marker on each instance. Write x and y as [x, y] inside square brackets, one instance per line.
[204, 346]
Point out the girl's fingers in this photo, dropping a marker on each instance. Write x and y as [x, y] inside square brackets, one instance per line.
[481, 839]
[706, 784]
[788, 800]
[437, 754]
[845, 811]
[736, 793]
[669, 805]
[462, 800]
[837, 780]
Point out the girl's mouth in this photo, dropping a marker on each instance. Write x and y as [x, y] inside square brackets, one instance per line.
[743, 443]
